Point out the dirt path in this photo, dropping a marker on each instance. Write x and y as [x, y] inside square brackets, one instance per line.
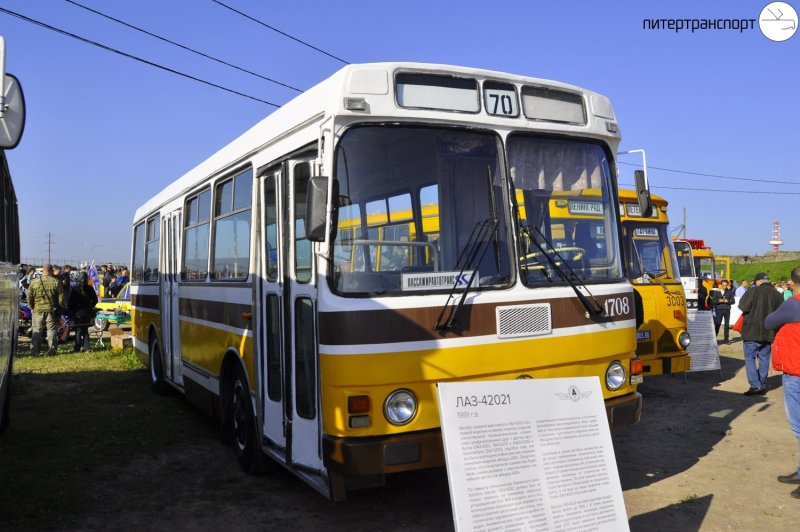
[704, 457]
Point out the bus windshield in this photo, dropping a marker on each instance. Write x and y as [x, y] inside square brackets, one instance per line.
[418, 209]
[564, 200]
[649, 251]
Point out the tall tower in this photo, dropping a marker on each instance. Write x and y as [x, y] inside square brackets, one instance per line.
[776, 241]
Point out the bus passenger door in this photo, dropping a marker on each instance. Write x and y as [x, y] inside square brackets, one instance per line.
[170, 310]
[270, 311]
[300, 302]
[287, 336]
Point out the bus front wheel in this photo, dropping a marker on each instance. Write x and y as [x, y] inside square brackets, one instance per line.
[242, 425]
[157, 369]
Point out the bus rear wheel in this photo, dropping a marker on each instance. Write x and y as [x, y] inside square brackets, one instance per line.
[242, 425]
[157, 381]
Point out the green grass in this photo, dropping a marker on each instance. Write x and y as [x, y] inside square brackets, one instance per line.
[778, 271]
[75, 418]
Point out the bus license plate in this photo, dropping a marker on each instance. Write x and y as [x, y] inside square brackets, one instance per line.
[642, 336]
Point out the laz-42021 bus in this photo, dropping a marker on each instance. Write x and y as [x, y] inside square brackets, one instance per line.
[314, 280]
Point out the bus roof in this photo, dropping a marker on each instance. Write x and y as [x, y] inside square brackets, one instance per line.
[374, 82]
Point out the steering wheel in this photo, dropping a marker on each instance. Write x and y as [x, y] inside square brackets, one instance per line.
[527, 260]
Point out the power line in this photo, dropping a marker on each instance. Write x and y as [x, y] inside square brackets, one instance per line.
[716, 190]
[130, 56]
[109, 17]
[713, 175]
[304, 43]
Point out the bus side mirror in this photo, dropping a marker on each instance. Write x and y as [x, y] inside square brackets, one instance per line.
[12, 112]
[643, 194]
[317, 207]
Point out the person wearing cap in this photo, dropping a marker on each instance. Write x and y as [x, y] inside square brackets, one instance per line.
[786, 358]
[758, 302]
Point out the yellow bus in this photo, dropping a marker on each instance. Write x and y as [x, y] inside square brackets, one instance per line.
[653, 269]
[313, 281]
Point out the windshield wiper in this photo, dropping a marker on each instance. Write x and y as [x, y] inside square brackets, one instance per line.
[475, 248]
[650, 276]
[592, 305]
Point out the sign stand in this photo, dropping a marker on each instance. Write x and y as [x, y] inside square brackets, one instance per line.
[703, 350]
[530, 455]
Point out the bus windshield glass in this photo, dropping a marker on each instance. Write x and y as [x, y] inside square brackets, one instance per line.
[563, 190]
[685, 262]
[704, 266]
[419, 209]
[649, 251]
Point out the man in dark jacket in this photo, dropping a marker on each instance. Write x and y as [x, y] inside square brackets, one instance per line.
[722, 302]
[758, 302]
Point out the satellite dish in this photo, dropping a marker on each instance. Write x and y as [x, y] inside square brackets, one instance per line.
[12, 112]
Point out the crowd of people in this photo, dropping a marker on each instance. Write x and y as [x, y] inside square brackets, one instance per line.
[770, 333]
[55, 294]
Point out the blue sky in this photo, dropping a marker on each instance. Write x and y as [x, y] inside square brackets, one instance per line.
[104, 133]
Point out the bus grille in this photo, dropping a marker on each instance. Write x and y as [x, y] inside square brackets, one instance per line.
[524, 320]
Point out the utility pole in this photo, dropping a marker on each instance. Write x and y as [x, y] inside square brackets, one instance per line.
[684, 222]
[681, 229]
[49, 246]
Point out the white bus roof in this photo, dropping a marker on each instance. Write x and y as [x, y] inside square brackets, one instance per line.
[370, 81]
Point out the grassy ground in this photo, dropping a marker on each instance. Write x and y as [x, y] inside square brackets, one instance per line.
[73, 415]
[778, 271]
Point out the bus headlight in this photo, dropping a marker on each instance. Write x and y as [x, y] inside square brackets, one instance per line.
[690, 303]
[400, 407]
[684, 339]
[615, 376]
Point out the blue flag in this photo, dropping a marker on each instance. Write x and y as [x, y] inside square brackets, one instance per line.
[94, 277]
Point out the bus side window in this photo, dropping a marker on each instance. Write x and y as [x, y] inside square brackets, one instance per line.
[231, 252]
[271, 210]
[302, 259]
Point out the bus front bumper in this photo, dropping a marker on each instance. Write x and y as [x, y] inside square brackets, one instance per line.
[624, 411]
[421, 450]
[383, 454]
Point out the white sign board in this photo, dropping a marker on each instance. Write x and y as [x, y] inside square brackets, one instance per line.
[703, 350]
[533, 454]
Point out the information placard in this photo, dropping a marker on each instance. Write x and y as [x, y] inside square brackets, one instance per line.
[530, 455]
[703, 350]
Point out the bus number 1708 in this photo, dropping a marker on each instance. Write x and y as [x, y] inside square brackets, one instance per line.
[617, 306]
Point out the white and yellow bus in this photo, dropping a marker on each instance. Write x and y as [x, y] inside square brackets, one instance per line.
[313, 281]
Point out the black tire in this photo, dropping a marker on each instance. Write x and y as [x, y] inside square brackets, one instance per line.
[6, 420]
[156, 372]
[241, 423]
